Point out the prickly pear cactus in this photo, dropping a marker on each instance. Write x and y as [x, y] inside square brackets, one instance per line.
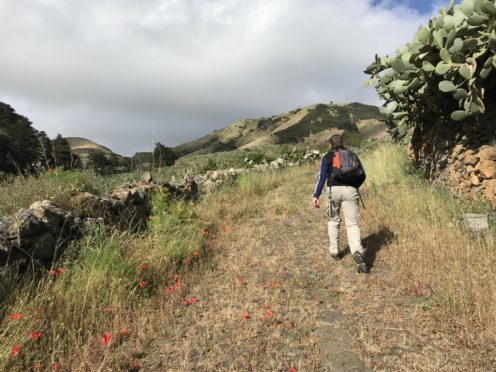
[443, 72]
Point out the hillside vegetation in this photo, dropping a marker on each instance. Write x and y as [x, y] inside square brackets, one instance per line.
[308, 124]
[212, 286]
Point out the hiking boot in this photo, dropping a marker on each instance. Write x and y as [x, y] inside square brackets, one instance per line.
[361, 265]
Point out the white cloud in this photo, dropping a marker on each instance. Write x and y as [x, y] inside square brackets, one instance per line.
[128, 72]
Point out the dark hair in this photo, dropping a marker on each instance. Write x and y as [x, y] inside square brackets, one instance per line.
[336, 140]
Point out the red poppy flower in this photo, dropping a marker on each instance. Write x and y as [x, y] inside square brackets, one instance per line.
[143, 267]
[15, 350]
[56, 272]
[170, 290]
[141, 284]
[192, 300]
[292, 369]
[240, 280]
[177, 285]
[176, 277]
[55, 366]
[268, 314]
[185, 303]
[106, 337]
[123, 331]
[246, 316]
[267, 307]
[196, 253]
[16, 316]
[108, 310]
[35, 335]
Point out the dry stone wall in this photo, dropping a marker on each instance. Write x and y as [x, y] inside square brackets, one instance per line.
[461, 155]
[38, 235]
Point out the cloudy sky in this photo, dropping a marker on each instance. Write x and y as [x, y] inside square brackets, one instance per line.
[129, 73]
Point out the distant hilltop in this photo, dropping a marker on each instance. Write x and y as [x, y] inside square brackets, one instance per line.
[310, 124]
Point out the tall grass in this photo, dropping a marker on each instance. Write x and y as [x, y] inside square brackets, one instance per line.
[433, 250]
[106, 284]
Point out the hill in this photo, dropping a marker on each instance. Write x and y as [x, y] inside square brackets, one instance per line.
[312, 124]
[83, 146]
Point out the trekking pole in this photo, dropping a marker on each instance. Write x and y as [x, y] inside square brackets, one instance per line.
[361, 199]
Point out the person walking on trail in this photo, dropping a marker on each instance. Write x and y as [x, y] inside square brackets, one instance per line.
[344, 174]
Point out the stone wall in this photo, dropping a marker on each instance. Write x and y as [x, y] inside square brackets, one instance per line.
[461, 155]
[38, 235]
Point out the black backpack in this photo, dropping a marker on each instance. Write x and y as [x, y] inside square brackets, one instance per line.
[346, 168]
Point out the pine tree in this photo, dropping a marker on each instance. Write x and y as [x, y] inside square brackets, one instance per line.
[62, 152]
[163, 156]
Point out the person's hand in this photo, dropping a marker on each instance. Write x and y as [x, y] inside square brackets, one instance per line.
[316, 203]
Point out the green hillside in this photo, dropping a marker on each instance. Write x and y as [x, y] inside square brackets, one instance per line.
[313, 123]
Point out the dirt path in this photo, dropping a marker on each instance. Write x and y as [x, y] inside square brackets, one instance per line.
[266, 302]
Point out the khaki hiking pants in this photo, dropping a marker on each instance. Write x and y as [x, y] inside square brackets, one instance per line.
[346, 197]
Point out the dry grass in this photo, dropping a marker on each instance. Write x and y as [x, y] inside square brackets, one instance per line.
[427, 305]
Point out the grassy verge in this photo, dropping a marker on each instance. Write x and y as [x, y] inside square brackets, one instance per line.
[442, 277]
[106, 288]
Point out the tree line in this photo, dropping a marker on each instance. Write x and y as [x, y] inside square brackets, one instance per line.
[23, 149]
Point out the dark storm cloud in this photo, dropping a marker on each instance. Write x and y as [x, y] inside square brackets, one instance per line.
[128, 73]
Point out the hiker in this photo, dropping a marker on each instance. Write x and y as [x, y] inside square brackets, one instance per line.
[344, 174]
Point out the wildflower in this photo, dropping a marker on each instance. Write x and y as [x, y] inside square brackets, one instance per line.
[268, 314]
[106, 337]
[35, 335]
[177, 285]
[292, 369]
[176, 277]
[141, 284]
[186, 261]
[267, 307]
[56, 272]
[273, 285]
[143, 267]
[55, 366]
[196, 253]
[16, 316]
[192, 300]
[39, 309]
[15, 350]
[185, 303]
[108, 310]
[240, 280]
[206, 232]
[123, 331]
[246, 316]
[170, 290]
[51, 170]
[226, 229]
